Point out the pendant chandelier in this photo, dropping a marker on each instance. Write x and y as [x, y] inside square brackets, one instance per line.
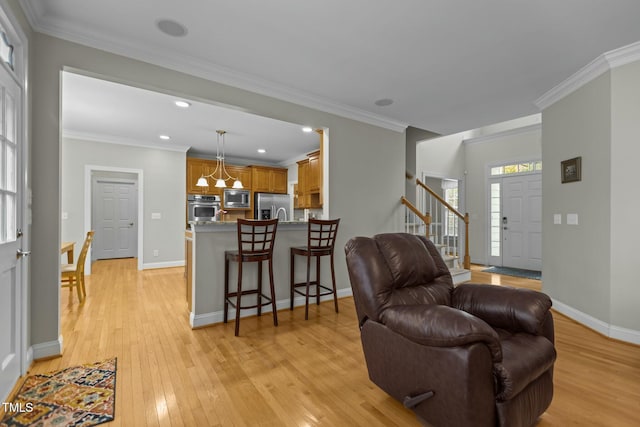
[220, 173]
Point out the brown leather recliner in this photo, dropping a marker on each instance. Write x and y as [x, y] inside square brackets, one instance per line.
[474, 355]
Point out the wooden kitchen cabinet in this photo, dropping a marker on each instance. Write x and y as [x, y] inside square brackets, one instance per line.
[303, 185]
[195, 169]
[310, 182]
[315, 175]
[243, 173]
[265, 179]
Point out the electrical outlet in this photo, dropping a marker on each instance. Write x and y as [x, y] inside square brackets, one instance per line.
[156, 252]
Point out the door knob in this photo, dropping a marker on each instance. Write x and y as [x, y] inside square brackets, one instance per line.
[20, 253]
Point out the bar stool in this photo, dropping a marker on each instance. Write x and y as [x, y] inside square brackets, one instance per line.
[321, 238]
[255, 244]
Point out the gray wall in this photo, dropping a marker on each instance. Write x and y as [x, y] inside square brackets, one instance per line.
[366, 162]
[442, 157]
[577, 267]
[164, 175]
[413, 137]
[625, 204]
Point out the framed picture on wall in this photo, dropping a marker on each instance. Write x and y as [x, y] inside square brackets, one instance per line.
[571, 170]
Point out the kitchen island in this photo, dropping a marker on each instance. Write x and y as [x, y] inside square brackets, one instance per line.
[210, 240]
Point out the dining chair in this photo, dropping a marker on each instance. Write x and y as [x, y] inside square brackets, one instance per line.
[72, 275]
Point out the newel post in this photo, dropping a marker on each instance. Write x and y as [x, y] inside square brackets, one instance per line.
[427, 221]
[467, 258]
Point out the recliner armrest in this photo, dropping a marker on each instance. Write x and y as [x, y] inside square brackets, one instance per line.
[512, 309]
[441, 326]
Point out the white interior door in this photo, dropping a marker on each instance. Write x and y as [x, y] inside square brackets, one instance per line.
[11, 263]
[522, 221]
[115, 219]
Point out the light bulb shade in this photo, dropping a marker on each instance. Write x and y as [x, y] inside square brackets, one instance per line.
[220, 183]
[202, 182]
[237, 184]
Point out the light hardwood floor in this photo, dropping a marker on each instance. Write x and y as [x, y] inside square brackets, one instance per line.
[302, 373]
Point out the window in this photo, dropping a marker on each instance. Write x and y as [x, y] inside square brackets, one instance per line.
[526, 167]
[6, 49]
[496, 221]
[451, 222]
[8, 145]
[8, 167]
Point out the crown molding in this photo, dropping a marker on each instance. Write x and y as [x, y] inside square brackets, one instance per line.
[111, 139]
[504, 133]
[216, 73]
[33, 11]
[600, 65]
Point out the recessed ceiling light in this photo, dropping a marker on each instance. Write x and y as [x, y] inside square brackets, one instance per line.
[307, 129]
[165, 137]
[261, 150]
[183, 104]
[383, 102]
[171, 27]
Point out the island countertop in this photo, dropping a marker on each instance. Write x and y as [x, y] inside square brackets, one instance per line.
[210, 241]
[213, 226]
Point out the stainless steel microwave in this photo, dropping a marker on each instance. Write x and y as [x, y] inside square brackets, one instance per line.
[236, 199]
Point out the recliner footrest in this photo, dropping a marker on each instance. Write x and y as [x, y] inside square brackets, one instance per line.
[411, 402]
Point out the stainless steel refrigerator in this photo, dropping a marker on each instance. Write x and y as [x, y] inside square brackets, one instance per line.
[269, 205]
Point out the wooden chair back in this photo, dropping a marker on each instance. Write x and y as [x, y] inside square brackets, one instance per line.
[322, 234]
[83, 252]
[256, 237]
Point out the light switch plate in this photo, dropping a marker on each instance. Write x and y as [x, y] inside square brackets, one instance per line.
[557, 218]
[572, 219]
[156, 215]
[65, 215]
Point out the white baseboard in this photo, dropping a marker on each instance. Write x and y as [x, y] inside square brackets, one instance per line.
[45, 349]
[624, 334]
[611, 331]
[167, 264]
[206, 319]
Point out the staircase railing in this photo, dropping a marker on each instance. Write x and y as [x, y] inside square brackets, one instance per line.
[429, 217]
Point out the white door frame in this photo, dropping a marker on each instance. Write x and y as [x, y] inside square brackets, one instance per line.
[21, 54]
[88, 172]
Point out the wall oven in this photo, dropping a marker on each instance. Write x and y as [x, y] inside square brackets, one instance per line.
[202, 208]
[236, 199]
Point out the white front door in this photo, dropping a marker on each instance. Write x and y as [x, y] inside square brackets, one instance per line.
[115, 219]
[11, 262]
[522, 221]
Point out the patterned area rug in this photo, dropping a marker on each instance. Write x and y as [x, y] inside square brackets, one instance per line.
[517, 272]
[78, 396]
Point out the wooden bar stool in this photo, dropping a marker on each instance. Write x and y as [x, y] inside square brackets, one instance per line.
[255, 244]
[321, 239]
